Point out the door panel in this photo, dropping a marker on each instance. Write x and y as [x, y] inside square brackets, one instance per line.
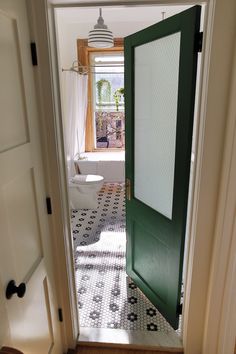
[30, 317]
[25, 240]
[156, 252]
[156, 93]
[12, 98]
[21, 217]
[160, 77]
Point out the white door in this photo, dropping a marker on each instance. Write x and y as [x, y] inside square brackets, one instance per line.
[30, 323]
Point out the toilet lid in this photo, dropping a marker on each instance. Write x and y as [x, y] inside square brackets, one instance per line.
[86, 179]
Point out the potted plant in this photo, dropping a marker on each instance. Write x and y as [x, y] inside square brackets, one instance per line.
[103, 95]
[117, 97]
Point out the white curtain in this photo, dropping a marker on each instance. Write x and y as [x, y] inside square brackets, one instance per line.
[75, 107]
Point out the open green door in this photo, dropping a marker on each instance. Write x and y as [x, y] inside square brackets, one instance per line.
[160, 79]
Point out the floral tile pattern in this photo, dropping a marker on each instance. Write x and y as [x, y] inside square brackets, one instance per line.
[107, 297]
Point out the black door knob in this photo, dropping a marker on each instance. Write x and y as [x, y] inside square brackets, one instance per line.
[13, 289]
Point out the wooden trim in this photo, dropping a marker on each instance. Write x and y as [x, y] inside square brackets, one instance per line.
[221, 310]
[203, 295]
[87, 348]
[83, 54]
[83, 58]
[47, 81]
[138, 347]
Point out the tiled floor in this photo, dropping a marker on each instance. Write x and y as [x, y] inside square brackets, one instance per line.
[107, 296]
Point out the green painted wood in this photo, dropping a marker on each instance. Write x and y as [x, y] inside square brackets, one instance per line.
[155, 244]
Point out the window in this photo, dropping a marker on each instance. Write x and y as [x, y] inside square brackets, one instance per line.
[105, 114]
[108, 99]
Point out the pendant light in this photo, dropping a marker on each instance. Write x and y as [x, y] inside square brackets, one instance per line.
[100, 36]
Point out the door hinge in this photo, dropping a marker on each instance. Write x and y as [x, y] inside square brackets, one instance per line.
[128, 189]
[179, 309]
[49, 205]
[60, 315]
[34, 57]
[199, 40]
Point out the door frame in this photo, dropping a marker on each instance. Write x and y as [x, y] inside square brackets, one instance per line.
[201, 326]
[42, 30]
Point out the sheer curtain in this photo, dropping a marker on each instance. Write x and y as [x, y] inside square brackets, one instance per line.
[75, 98]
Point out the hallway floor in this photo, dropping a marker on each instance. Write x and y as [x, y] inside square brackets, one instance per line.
[107, 296]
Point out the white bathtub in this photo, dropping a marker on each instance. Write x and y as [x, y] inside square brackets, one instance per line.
[110, 165]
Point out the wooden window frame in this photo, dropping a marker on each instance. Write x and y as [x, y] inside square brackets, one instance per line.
[83, 54]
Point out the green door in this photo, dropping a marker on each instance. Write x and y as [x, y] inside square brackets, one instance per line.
[160, 79]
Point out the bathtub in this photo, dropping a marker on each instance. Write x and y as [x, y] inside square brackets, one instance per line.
[110, 165]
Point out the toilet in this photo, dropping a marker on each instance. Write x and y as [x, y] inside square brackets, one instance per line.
[83, 191]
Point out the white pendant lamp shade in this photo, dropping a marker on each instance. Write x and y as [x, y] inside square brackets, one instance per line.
[100, 36]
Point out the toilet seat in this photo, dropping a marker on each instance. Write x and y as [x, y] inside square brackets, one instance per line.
[85, 179]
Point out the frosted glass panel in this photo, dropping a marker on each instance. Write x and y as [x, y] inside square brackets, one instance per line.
[156, 94]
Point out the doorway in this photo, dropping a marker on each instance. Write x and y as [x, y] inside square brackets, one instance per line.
[96, 244]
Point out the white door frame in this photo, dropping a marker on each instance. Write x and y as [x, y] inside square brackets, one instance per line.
[203, 294]
[56, 186]
[221, 306]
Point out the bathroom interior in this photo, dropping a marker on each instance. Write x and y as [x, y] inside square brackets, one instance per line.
[111, 307]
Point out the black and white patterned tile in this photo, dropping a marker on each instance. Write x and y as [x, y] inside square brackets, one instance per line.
[107, 297]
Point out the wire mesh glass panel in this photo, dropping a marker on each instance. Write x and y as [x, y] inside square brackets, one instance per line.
[156, 95]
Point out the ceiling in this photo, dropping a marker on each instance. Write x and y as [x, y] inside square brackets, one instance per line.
[119, 14]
